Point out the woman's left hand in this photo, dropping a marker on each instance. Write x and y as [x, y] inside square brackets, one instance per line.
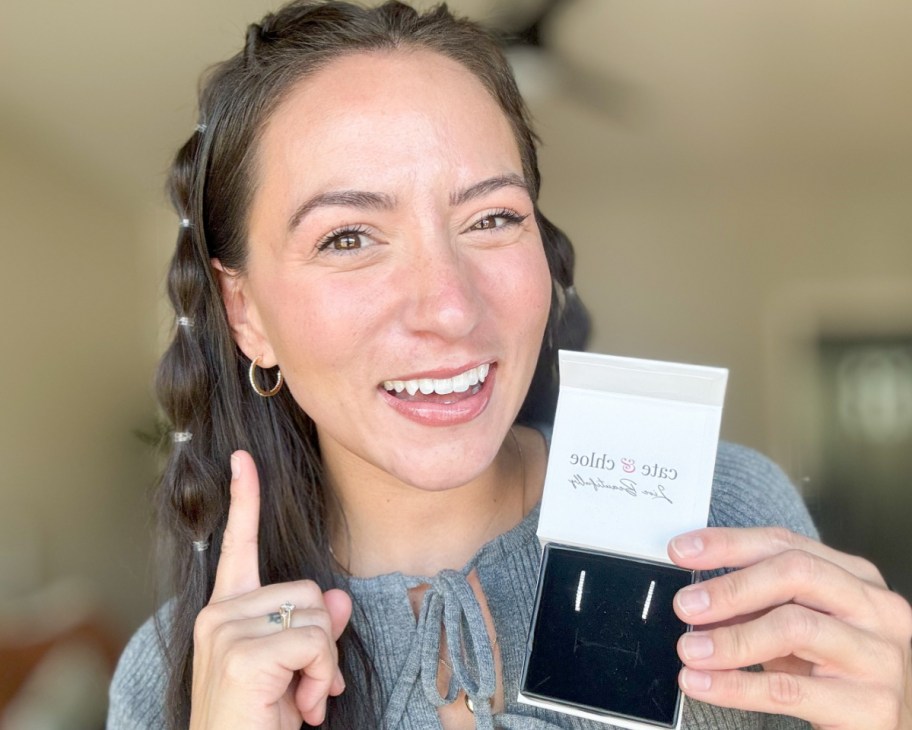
[834, 641]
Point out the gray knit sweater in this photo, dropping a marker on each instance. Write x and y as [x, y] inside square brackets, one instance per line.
[747, 490]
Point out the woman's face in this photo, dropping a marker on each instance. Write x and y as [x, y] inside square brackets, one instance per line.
[392, 246]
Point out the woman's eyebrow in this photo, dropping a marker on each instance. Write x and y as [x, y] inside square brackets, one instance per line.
[382, 201]
[486, 186]
[348, 198]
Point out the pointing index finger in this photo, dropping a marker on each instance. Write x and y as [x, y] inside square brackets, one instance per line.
[238, 569]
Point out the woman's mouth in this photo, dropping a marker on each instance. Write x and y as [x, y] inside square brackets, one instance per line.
[450, 401]
[439, 390]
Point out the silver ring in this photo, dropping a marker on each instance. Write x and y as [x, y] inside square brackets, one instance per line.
[285, 611]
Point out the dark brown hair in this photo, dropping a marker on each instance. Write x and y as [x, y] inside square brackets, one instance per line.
[202, 377]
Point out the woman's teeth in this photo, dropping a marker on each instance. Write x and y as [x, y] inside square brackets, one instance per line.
[442, 386]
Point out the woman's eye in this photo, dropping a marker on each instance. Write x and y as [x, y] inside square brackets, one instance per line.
[501, 219]
[346, 240]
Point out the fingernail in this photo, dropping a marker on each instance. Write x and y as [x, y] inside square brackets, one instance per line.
[687, 546]
[235, 467]
[696, 646]
[695, 681]
[693, 600]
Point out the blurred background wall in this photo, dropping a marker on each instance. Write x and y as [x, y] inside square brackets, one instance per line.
[736, 178]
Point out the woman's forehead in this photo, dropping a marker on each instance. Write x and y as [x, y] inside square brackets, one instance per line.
[378, 114]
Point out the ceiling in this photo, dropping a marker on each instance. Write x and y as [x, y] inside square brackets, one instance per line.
[106, 88]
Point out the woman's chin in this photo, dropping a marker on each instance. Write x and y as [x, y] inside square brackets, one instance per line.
[436, 481]
[448, 471]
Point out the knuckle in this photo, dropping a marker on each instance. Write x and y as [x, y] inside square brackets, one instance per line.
[737, 684]
[866, 570]
[784, 688]
[734, 641]
[783, 539]
[728, 589]
[901, 614]
[801, 625]
[205, 623]
[310, 591]
[799, 568]
[199, 635]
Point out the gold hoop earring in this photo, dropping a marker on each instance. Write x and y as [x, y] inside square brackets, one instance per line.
[253, 383]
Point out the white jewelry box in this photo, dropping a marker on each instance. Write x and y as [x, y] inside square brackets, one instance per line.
[630, 466]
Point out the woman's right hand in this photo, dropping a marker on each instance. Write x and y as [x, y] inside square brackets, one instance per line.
[247, 671]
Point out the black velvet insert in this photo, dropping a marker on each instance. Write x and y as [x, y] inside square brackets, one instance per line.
[591, 646]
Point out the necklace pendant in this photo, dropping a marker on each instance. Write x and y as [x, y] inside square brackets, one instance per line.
[471, 705]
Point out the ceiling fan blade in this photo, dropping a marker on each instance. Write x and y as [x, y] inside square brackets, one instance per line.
[542, 71]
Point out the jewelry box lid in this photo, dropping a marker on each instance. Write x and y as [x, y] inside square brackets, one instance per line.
[632, 454]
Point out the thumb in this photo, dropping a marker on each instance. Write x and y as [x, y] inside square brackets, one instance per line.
[339, 605]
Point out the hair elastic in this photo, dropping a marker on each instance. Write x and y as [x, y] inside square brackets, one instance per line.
[185, 223]
[185, 321]
[201, 546]
[202, 127]
[181, 437]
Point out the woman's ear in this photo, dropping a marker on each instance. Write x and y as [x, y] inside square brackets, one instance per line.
[243, 316]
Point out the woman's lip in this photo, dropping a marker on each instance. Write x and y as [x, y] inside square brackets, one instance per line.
[440, 373]
[427, 413]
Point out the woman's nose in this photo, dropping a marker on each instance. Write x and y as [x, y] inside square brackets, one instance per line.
[443, 292]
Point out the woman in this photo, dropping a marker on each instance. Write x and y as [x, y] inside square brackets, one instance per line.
[364, 287]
